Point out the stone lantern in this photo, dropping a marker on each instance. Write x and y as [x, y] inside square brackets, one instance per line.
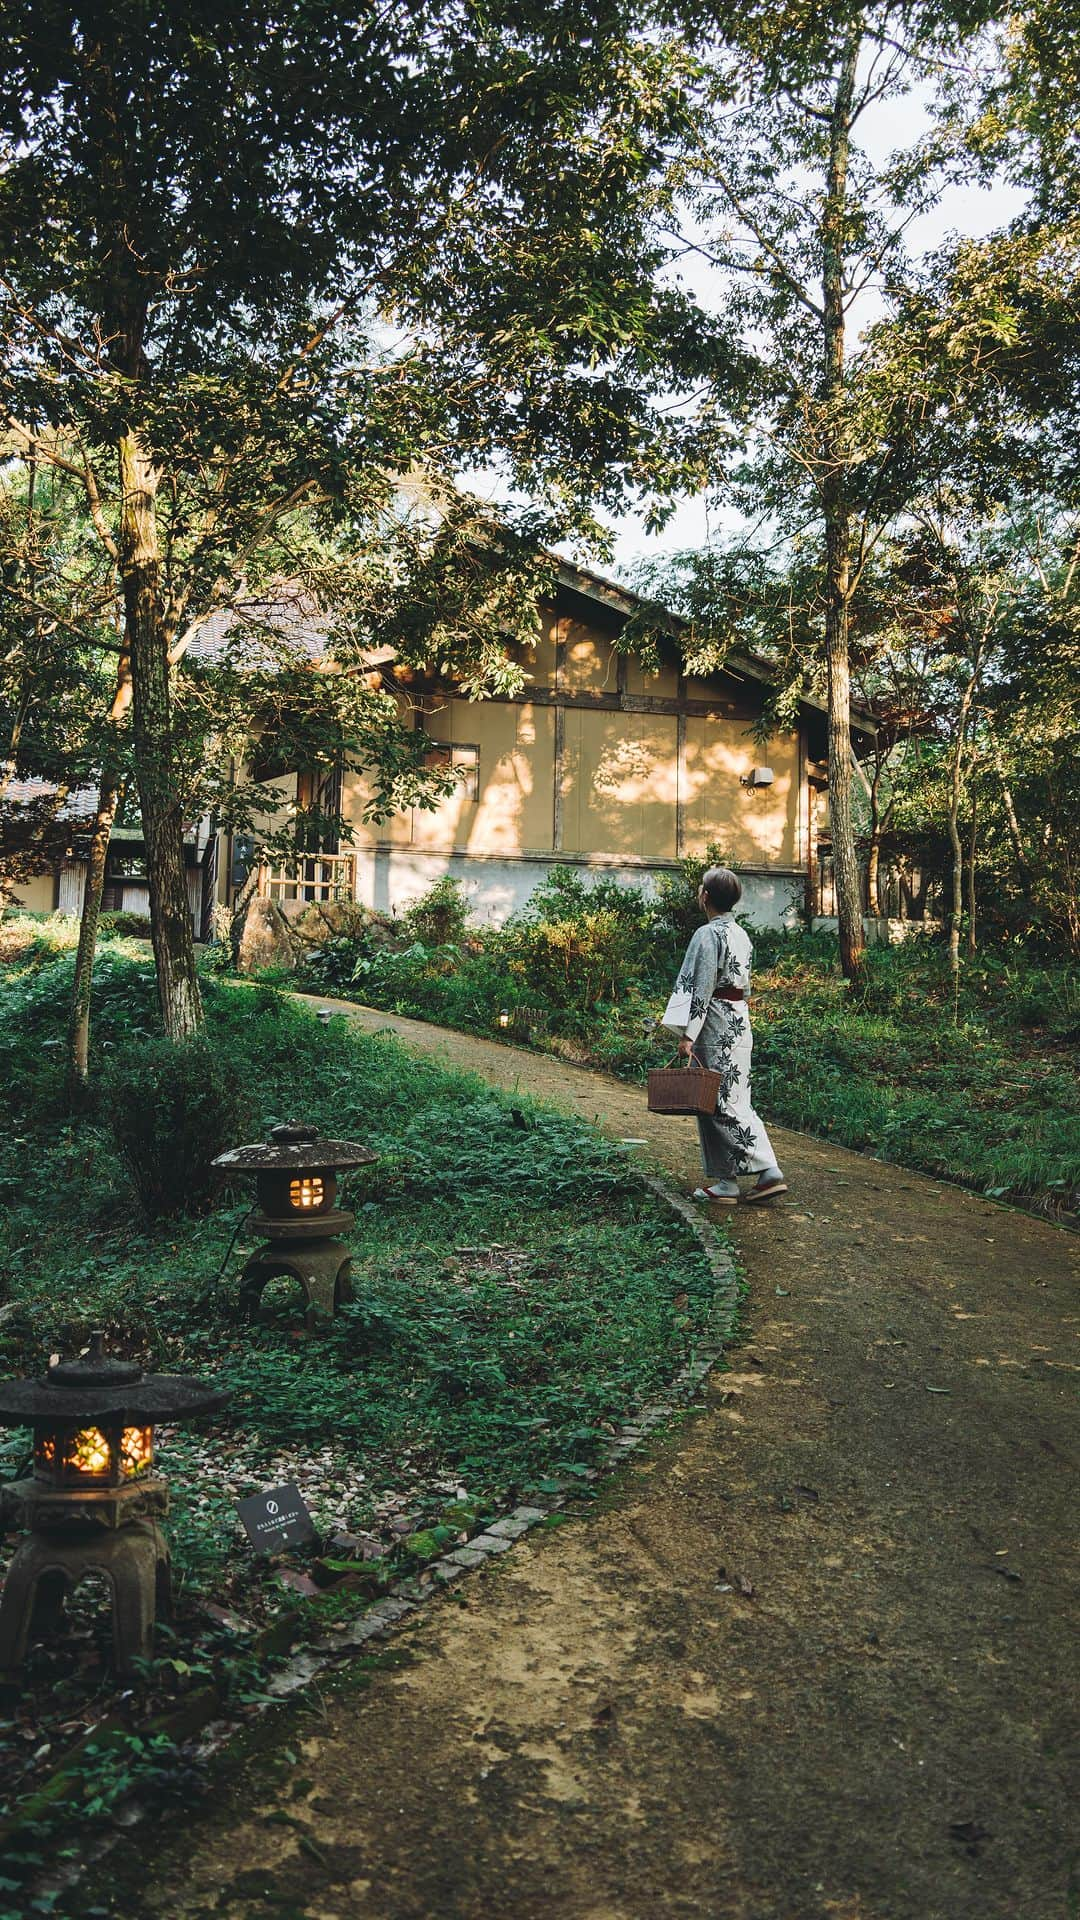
[94, 1501]
[297, 1168]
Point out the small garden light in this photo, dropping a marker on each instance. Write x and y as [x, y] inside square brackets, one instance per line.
[520, 1021]
[93, 1503]
[296, 1170]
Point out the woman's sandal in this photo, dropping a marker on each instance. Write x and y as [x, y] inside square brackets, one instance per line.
[722, 1196]
[765, 1190]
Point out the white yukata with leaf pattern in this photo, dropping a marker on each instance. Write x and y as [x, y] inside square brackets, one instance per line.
[720, 954]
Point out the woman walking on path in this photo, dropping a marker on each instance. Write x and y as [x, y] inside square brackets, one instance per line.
[709, 1008]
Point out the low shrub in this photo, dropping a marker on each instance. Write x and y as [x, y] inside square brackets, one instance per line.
[132, 926]
[171, 1109]
[575, 965]
[439, 918]
[677, 910]
[914, 1065]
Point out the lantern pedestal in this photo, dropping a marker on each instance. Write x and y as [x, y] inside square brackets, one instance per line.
[321, 1266]
[126, 1545]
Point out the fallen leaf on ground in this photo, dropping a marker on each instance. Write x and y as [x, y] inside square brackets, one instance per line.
[969, 1835]
[299, 1582]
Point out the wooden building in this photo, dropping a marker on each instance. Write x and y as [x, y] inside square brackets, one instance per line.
[596, 763]
[61, 883]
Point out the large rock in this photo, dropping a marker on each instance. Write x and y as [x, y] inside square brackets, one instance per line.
[276, 938]
[267, 939]
[347, 919]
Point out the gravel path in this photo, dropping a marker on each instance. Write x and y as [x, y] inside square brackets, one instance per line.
[813, 1658]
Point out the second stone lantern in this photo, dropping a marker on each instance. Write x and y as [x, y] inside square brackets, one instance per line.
[297, 1169]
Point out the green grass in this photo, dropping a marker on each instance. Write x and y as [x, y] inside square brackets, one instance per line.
[516, 1292]
[984, 1092]
[980, 1085]
[493, 1365]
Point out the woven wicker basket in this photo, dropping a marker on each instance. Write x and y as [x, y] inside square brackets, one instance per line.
[689, 1089]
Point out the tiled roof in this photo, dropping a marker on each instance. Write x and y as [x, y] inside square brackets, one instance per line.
[261, 634]
[78, 805]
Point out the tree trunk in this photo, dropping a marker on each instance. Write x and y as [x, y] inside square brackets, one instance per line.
[956, 778]
[1023, 866]
[78, 1060]
[238, 912]
[956, 912]
[873, 872]
[972, 842]
[159, 803]
[837, 514]
[873, 859]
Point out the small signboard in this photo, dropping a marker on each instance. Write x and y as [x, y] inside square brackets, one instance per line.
[276, 1519]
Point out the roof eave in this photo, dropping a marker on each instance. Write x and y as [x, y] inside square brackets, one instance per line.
[607, 593]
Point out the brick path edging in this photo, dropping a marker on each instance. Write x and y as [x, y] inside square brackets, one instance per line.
[413, 1591]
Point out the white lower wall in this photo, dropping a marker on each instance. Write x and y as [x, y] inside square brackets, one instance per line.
[880, 932]
[391, 879]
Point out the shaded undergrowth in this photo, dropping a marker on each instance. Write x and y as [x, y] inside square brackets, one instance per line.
[515, 1291]
[975, 1080]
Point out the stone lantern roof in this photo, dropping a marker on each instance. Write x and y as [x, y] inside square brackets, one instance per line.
[291, 1147]
[99, 1386]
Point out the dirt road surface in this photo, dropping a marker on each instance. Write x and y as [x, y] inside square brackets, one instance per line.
[812, 1658]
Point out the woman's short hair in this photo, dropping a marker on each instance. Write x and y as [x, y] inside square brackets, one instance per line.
[722, 888]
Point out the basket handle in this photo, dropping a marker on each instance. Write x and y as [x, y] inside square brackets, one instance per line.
[691, 1061]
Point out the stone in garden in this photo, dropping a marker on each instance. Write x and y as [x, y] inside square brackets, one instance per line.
[266, 940]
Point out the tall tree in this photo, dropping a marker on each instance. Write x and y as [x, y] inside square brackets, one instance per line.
[980, 366]
[263, 261]
[803, 225]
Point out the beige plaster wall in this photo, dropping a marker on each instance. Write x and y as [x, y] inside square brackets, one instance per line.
[538, 661]
[665, 683]
[515, 809]
[37, 895]
[756, 825]
[619, 783]
[355, 794]
[619, 787]
[589, 661]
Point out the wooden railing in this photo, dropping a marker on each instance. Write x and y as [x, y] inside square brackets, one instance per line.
[310, 878]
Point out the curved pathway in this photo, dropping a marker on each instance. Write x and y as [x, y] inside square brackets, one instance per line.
[813, 1658]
